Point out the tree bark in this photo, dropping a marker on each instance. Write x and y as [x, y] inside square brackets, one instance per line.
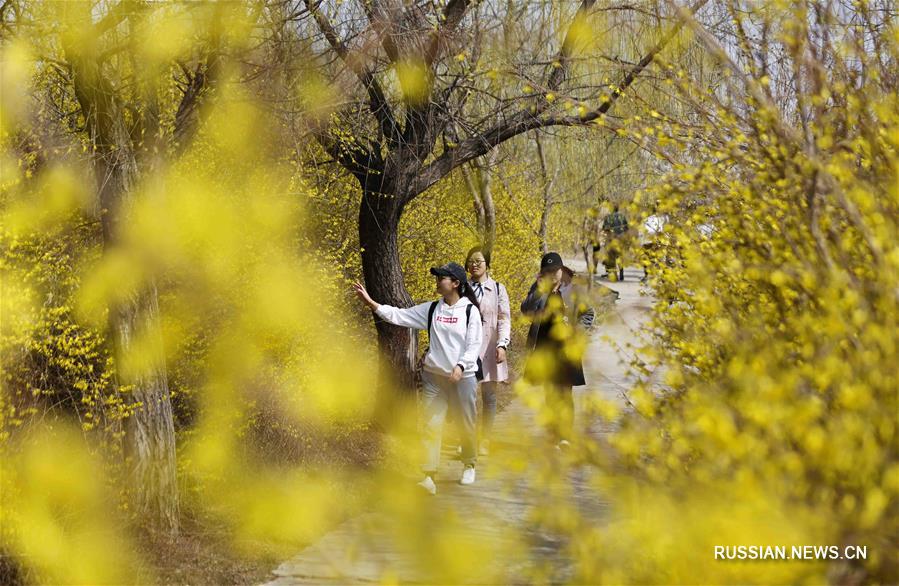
[484, 174]
[547, 195]
[379, 216]
[478, 184]
[150, 430]
[473, 189]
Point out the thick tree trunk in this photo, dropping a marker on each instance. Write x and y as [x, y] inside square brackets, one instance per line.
[150, 437]
[150, 431]
[378, 228]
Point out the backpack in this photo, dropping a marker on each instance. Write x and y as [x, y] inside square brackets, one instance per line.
[616, 223]
[479, 374]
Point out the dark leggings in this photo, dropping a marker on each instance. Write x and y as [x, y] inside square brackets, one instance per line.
[560, 401]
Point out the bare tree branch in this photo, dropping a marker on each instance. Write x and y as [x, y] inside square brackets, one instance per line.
[116, 15]
[377, 101]
[525, 120]
[452, 16]
[560, 68]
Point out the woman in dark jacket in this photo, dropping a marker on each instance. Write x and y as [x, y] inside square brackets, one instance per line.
[554, 311]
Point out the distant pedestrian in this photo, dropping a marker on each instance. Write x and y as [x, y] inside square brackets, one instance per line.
[614, 228]
[650, 234]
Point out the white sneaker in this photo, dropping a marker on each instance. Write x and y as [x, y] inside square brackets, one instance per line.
[563, 445]
[484, 450]
[428, 485]
[467, 475]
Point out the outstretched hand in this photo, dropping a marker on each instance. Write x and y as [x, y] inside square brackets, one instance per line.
[361, 293]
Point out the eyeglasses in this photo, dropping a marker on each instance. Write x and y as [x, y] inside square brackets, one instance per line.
[476, 263]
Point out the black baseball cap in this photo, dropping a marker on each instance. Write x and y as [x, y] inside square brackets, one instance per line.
[552, 261]
[452, 270]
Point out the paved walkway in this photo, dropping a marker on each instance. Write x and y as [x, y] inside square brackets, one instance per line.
[497, 530]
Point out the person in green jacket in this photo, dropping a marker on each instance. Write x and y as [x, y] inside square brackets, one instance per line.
[614, 227]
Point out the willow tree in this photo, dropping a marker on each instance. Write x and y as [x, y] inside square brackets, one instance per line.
[112, 94]
[439, 88]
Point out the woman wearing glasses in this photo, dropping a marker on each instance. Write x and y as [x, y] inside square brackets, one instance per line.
[493, 300]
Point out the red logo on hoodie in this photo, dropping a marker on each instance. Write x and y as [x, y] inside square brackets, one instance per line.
[446, 320]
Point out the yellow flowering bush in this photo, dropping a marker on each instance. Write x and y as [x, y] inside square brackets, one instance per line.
[771, 415]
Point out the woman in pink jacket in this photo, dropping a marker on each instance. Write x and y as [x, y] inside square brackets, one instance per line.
[496, 314]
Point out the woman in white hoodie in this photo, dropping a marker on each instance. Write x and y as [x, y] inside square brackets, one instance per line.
[451, 366]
